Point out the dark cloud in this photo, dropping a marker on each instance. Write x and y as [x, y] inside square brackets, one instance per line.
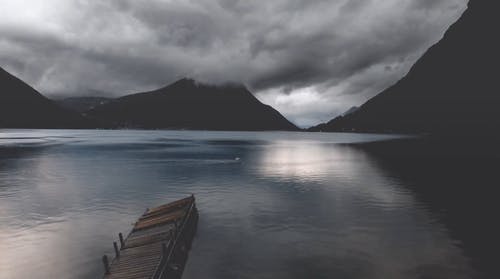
[309, 59]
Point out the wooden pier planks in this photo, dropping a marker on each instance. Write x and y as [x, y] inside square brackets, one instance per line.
[158, 241]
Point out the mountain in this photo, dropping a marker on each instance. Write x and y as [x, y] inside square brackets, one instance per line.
[21, 106]
[187, 104]
[453, 87]
[82, 104]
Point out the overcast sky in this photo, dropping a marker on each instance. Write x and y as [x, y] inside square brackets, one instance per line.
[310, 59]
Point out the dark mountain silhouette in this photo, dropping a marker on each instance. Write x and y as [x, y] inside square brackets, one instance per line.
[187, 104]
[452, 89]
[21, 106]
[82, 104]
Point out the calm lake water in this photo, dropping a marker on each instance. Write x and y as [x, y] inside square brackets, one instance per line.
[272, 205]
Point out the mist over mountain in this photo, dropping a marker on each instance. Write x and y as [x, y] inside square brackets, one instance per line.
[187, 104]
[350, 110]
[21, 106]
[452, 89]
[311, 60]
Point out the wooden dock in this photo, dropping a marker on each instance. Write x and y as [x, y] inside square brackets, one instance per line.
[158, 245]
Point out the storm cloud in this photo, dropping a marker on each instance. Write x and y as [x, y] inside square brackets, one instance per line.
[310, 59]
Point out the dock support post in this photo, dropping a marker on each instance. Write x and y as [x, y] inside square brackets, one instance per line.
[106, 264]
[117, 251]
[164, 249]
[122, 243]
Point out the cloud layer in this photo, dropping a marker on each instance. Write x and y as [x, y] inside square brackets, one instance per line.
[311, 59]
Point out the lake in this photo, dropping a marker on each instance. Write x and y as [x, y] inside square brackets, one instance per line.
[271, 205]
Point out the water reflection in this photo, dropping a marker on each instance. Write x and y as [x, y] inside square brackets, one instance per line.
[291, 206]
[340, 167]
[298, 160]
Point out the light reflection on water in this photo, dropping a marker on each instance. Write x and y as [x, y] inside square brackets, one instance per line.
[272, 205]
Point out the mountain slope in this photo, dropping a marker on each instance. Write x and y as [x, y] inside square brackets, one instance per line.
[186, 104]
[451, 89]
[21, 106]
[350, 110]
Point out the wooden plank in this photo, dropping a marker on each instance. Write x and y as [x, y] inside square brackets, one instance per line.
[167, 207]
[151, 231]
[173, 216]
[147, 239]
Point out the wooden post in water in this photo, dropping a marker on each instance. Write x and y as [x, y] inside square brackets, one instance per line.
[122, 243]
[117, 251]
[164, 249]
[176, 227]
[106, 264]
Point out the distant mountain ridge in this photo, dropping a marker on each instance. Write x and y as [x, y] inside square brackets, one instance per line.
[187, 104]
[184, 104]
[21, 106]
[82, 104]
[451, 89]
